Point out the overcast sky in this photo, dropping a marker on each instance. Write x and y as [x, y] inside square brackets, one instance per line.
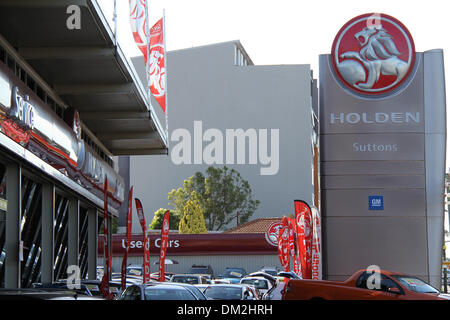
[282, 31]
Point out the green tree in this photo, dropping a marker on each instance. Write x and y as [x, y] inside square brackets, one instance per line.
[193, 221]
[222, 193]
[157, 221]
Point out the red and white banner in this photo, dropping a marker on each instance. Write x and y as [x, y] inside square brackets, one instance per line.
[151, 44]
[283, 244]
[164, 242]
[157, 68]
[140, 213]
[316, 245]
[138, 24]
[104, 285]
[292, 240]
[304, 236]
[128, 240]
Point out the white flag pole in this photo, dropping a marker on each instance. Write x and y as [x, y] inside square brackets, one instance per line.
[165, 77]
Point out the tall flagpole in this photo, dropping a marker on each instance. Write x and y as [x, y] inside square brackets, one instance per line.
[165, 75]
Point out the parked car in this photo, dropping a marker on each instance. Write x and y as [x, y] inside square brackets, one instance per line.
[43, 294]
[159, 291]
[270, 270]
[288, 274]
[262, 284]
[234, 275]
[393, 286]
[201, 269]
[189, 278]
[135, 269]
[230, 292]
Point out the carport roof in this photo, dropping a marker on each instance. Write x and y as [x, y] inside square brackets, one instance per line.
[87, 70]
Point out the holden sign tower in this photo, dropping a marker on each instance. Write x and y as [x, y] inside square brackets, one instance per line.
[382, 142]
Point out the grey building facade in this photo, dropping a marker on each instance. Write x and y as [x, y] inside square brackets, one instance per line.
[224, 110]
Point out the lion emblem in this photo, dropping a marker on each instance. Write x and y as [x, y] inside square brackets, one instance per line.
[378, 56]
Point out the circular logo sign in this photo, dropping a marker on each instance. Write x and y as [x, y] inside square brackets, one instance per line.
[373, 54]
[272, 233]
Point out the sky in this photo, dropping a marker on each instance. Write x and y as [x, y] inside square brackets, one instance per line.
[283, 31]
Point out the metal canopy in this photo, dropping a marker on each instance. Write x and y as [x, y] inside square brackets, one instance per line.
[87, 70]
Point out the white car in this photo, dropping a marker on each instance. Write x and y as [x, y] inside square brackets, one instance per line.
[260, 283]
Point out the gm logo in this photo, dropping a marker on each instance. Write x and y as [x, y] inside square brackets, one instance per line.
[376, 203]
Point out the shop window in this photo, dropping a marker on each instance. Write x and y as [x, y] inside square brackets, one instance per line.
[83, 241]
[31, 220]
[61, 237]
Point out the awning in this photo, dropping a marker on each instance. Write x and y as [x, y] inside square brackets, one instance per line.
[87, 70]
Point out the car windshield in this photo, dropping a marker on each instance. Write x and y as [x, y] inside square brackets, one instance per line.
[258, 283]
[234, 273]
[415, 284]
[152, 293]
[223, 293]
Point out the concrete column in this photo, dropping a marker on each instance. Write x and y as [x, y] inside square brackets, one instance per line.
[48, 217]
[92, 243]
[73, 232]
[13, 214]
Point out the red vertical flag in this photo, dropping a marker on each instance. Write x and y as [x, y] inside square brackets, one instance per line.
[304, 227]
[153, 49]
[292, 235]
[127, 247]
[140, 213]
[316, 263]
[157, 67]
[286, 242]
[283, 245]
[138, 24]
[104, 286]
[164, 242]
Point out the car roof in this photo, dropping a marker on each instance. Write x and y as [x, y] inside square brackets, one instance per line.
[237, 285]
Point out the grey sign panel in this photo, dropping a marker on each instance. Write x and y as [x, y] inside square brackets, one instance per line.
[372, 146]
[331, 168]
[372, 181]
[354, 203]
[393, 243]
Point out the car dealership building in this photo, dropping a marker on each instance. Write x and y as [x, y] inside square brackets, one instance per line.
[70, 101]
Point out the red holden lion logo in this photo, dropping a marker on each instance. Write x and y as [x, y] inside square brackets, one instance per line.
[373, 53]
[272, 233]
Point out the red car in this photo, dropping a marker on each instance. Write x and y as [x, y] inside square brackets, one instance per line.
[392, 286]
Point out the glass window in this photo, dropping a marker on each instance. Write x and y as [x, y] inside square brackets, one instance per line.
[415, 284]
[83, 242]
[131, 293]
[258, 283]
[31, 232]
[385, 282]
[60, 234]
[154, 293]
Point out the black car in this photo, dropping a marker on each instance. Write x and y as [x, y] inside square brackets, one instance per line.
[161, 291]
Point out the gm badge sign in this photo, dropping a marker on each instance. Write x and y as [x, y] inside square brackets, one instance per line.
[376, 203]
